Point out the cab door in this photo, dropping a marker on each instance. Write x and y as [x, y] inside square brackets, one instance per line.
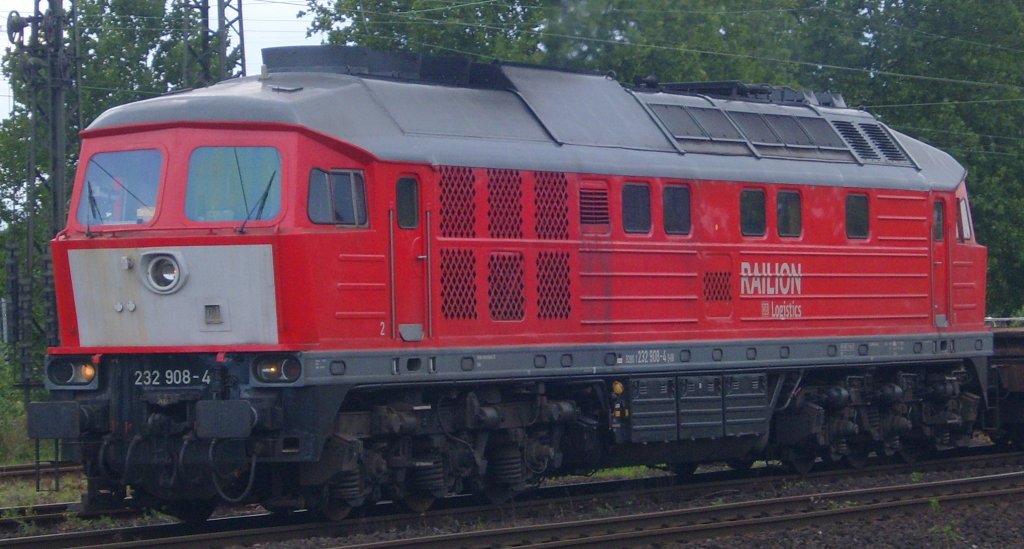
[940, 263]
[410, 258]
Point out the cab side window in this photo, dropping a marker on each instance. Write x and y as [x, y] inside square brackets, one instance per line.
[788, 213]
[857, 216]
[337, 198]
[752, 215]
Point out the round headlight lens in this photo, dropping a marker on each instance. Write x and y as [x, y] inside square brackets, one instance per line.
[164, 272]
[268, 370]
[61, 372]
[291, 369]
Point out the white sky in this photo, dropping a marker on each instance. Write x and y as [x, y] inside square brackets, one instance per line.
[266, 23]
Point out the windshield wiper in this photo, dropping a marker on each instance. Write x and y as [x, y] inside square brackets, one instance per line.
[258, 207]
[118, 183]
[94, 209]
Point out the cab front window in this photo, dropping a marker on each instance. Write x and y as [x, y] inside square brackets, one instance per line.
[233, 184]
[120, 188]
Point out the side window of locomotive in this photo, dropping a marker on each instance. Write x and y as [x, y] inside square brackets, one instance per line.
[752, 215]
[788, 213]
[857, 216]
[963, 226]
[938, 221]
[408, 202]
[676, 202]
[337, 198]
[120, 188]
[233, 184]
[636, 208]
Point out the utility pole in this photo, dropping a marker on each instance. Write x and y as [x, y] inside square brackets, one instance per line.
[43, 70]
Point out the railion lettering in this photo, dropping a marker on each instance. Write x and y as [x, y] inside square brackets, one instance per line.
[768, 278]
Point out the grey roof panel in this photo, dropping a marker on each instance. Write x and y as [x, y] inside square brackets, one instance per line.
[584, 109]
[460, 112]
[495, 127]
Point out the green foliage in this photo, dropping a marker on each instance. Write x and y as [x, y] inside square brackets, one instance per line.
[946, 71]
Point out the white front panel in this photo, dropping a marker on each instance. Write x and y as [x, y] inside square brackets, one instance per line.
[116, 308]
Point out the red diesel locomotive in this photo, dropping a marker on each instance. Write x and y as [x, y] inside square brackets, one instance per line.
[365, 276]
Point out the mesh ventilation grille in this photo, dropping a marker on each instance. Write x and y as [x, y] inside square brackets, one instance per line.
[505, 284]
[458, 202]
[554, 298]
[504, 204]
[551, 198]
[718, 286]
[458, 284]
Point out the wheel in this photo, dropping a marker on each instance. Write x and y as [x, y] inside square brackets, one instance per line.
[857, 457]
[740, 464]
[800, 460]
[417, 502]
[192, 511]
[335, 510]
[684, 471]
[911, 453]
[498, 494]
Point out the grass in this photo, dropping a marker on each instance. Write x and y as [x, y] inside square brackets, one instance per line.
[22, 492]
[15, 446]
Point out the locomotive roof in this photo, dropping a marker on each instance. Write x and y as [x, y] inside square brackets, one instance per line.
[448, 111]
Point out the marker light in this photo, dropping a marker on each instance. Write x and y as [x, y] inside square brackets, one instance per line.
[68, 372]
[618, 388]
[278, 369]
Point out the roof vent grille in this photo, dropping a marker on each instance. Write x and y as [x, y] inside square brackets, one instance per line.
[856, 140]
[883, 142]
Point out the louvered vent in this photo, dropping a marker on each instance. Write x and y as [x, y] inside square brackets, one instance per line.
[458, 284]
[505, 285]
[504, 204]
[594, 206]
[883, 142]
[553, 296]
[856, 140]
[718, 286]
[458, 202]
[551, 199]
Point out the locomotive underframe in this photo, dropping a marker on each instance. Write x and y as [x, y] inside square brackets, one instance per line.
[410, 439]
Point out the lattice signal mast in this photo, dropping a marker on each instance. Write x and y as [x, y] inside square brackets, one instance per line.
[218, 53]
[43, 68]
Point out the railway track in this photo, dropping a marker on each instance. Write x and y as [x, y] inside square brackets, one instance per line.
[28, 470]
[707, 487]
[683, 525]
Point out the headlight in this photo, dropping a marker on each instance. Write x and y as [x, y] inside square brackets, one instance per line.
[278, 369]
[71, 372]
[164, 271]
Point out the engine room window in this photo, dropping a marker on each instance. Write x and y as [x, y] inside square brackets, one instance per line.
[788, 212]
[120, 188]
[233, 184]
[407, 199]
[752, 216]
[337, 198]
[636, 208]
[963, 226]
[676, 202]
[857, 216]
[938, 221]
